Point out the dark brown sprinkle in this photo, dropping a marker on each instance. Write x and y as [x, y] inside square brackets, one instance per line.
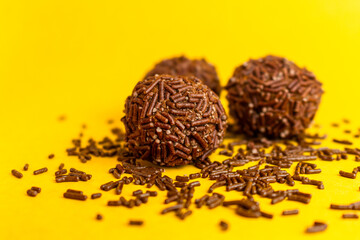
[76, 196]
[51, 156]
[299, 198]
[353, 206]
[350, 215]
[61, 166]
[116, 174]
[352, 151]
[253, 180]
[110, 121]
[32, 193]
[335, 125]
[172, 208]
[67, 178]
[16, 173]
[41, 170]
[110, 185]
[317, 227]
[95, 195]
[194, 184]
[290, 212]
[136, 222]
[340, 207]
[99, 217]
[182, 178]
[195, 175]
[60, 172]
[345, 142]
[114, 203]
[26, 167]
[152, 193]
[223, 225]
[137, 192]
[347, 174]
[37, 189]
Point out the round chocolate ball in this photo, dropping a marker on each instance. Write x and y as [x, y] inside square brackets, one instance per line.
[273, 97]
[173, 120]
[199, 68]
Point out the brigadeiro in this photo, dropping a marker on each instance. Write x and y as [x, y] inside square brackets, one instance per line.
[273, 97]
[199, 68]
[173, 120]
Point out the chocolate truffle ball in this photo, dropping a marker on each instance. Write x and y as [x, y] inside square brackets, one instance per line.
[183, 66]
[273, 97]
[173, 121]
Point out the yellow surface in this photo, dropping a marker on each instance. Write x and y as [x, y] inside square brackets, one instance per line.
[82, 58]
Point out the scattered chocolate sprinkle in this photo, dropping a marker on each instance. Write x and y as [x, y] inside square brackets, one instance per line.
[62, 165]
[347, 174]
[60, 172]
[41, 170]
[32, 193]
[66, 178]
[95, 195]
[353, 206]
[345, 142]
[16, 173]
[290, 212]
[99, 217]
[51, 156]
[224, 226]
[350, 215]
[75, 195]
[136, 222]
[317, 227]
[26, 167]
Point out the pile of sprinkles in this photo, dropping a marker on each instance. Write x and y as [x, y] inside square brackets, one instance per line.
[273, 159]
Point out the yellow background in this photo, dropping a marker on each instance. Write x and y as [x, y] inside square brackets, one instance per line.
[82, 58]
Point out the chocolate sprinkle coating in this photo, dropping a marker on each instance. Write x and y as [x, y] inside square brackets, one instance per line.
[199, 68]
[272, 96]
[173, 121]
